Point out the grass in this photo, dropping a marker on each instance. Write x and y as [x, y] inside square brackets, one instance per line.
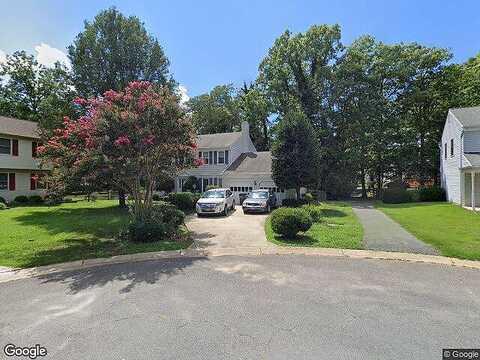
[339, 228]
[454, 231]
[42, 235]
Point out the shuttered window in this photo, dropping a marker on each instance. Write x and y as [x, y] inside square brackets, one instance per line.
[5, 146]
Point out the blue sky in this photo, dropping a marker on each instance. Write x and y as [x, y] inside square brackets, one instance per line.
[218, 42]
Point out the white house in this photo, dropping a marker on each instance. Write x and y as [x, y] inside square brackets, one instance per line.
[231, 161]
[460, 157]
[19, 168]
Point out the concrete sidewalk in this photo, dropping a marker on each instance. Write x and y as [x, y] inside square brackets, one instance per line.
[384, 234]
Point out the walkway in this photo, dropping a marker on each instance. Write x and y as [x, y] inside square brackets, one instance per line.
[382, 233]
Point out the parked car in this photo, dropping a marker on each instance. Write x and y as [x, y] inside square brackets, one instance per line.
[215, 201]
[259, 201]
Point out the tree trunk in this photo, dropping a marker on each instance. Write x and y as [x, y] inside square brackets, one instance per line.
[364, 185]
[121, 199]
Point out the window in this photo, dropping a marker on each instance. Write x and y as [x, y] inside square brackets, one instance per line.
[452, 152]
[446, 150]
[205, 157]
[5, 146]
[226, 156]
[221, 157]
[3, 181]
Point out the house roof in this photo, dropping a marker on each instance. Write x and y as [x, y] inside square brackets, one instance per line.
[221, 140]
[251, 163]
[473, 159]
[17, 127]
[468, 117]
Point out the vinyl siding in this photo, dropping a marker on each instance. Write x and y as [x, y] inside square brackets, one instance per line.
[24, 159]
[450, 167]
[22, 185]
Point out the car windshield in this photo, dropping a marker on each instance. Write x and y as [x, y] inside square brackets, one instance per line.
[213, 195]
[259, 195]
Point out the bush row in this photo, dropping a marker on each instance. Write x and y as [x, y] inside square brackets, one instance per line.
[399, 195]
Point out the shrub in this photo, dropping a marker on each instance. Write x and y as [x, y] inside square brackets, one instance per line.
[2, 200]
[288, 222]
[314, 211]
[161, 223]
[3, 206]
[396, 195]
[190, 185]
[156, 197]
[184, 201]
[434, 193]
[22, 199]
[293, 202]
[211, 187]
[35, 199]
[309, 198]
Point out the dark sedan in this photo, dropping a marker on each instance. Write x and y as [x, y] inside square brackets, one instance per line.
[259, 201]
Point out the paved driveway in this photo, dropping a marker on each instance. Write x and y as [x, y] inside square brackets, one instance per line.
[264, 307]
[235, 230]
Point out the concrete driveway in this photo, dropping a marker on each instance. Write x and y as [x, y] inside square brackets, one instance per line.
[235, 230]
[262, 307]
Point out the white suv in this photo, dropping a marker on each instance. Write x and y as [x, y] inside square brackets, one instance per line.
[215, 201]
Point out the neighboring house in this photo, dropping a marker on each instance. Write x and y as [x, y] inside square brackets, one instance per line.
[231, 161]
[20, 173]
[460, 157]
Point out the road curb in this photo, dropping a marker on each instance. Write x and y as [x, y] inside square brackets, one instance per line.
[9, 274]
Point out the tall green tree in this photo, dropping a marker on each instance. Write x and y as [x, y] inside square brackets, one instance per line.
[216, 111]
[34, 92]
[295, 153]
[470, 82]
[255, 109]
[114, 50]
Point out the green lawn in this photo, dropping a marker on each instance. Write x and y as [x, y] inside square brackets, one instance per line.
[41, 235]
[449, 228]
[339, 228]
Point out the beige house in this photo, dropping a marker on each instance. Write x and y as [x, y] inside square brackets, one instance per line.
[20, 172]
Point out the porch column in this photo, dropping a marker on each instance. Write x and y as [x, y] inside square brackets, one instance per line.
[473, 190]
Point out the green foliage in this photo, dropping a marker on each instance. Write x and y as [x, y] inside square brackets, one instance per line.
[184, 201]
[156, 197]
[2, 200]
[469, 82]
[434, 193]
[3, 206]
[295, 153]
[315, 212]
[31, 91]
[21, 199]
[288, 222]
[396, 195]
[211, 187]
[190, 185]
[293, 202]
[35, 199]
[215, 112]
[114, 50]
[309, 198]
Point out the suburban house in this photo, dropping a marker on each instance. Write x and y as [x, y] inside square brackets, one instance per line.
[230, 160]
[460, 157]
[20, 173]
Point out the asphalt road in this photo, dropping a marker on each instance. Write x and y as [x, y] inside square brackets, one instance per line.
[268, 307]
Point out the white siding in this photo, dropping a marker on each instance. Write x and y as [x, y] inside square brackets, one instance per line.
[450, 167]
[471, 140]
[22, 186]
[24, 159]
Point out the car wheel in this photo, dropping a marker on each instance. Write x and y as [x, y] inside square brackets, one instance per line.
[199, 215]
[225, 211]
[233, 205]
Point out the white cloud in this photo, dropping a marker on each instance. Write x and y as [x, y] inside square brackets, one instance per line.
[48, 55]
[182, 91]
[3, 56]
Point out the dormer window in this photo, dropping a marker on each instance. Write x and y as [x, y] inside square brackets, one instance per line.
[221, 157]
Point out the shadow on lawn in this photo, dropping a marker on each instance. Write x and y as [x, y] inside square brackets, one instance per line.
[129, 275]
[97, 222]
[333, 213]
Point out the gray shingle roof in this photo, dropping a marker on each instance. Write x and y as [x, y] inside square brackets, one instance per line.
[473, 159]
[252, 163]
[468, 117]
[17, 127]
[221, 140]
